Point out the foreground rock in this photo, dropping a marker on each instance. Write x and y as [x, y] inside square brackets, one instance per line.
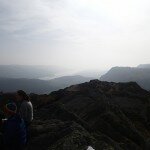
[103, 115]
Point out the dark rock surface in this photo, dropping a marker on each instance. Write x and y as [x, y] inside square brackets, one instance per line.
[106, 116]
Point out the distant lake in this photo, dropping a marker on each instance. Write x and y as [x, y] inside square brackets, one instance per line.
[69, 73]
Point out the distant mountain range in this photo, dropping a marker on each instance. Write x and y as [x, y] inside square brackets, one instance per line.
[91, 73]
[27, 71]
[39, 86]
[29, 78]
[144, 66]
[140, 74]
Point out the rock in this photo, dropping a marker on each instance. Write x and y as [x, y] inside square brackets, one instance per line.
[103, 115]
[90, 148]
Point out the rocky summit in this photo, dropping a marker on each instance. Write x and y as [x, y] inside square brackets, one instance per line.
[93, 115]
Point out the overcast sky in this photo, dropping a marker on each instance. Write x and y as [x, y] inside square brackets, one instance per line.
[78, 34]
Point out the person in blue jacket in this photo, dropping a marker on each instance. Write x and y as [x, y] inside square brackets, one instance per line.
[14, 130]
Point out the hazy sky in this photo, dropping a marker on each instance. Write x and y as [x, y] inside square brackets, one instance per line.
[79, 34]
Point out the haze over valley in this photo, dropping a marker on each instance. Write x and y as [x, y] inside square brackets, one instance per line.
[45, 79]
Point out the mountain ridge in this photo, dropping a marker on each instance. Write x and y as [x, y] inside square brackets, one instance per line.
[104, 115]
[127, 74]
[112, 110]
[144, 66]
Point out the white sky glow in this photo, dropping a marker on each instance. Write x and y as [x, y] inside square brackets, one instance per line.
[78, 34]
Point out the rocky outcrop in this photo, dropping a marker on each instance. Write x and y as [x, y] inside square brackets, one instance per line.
[106, 116]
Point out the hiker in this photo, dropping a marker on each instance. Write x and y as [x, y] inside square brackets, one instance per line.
[14, 130]
[25, 108]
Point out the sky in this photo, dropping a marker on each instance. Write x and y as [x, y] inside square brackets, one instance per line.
[76, 34]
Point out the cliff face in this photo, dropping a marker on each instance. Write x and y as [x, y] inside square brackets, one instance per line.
[103, 115]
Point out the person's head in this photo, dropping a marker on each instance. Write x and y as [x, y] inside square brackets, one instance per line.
[21, 95]
[10, 109]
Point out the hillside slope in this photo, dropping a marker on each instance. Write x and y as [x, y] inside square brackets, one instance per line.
[128, 74]
[106, 116]
[144, 66]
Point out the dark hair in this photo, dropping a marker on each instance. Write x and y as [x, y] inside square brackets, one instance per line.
[23, 94]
